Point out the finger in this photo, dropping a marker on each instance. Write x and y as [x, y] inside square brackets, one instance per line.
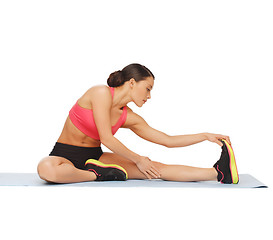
[227, 139]
[152, 173]
[156, 172]
[147, 175]
[219, 143]
[154, 169]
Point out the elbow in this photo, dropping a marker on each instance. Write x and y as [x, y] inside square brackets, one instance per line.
[171, 142]
[106, 140]
[168, 142]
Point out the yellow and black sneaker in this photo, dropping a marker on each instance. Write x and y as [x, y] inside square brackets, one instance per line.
[106, 172]
[226, 165]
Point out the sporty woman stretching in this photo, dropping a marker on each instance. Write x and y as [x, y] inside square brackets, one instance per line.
[95, 118]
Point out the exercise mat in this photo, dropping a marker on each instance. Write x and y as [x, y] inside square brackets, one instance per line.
[32, 179]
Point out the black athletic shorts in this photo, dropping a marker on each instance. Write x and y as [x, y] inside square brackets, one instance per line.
[77, 155]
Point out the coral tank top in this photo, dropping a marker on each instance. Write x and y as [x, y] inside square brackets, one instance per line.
[83, 119]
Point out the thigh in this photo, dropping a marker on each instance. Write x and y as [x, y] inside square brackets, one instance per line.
[129, 166]
[48, 165]
[53, 161]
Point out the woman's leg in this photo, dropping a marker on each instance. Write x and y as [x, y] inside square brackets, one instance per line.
[188, 174]
[168, 172]
[60, 170]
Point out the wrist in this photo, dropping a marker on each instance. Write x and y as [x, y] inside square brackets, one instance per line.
[204, 136]
[136, 159]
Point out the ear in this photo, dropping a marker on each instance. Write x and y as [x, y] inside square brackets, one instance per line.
[132, 82]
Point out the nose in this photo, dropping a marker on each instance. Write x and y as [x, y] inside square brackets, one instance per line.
[149, 95]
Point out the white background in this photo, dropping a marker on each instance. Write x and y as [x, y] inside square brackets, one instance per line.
[213, 66]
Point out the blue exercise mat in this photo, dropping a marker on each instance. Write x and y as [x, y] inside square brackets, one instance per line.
[32, 179]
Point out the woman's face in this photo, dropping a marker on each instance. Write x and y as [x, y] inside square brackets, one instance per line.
[142, 91]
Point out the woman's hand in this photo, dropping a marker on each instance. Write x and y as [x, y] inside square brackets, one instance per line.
[216, 138]
[146, 166]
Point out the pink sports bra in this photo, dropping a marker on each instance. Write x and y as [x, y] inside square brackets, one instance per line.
[83, 119]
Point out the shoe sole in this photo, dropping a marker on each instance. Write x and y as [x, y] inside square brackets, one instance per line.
[232, 164]
[103, 165]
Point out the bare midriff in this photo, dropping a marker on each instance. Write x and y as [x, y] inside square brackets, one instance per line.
[73, 136]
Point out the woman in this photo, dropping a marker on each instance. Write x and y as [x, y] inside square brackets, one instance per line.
[95, 118]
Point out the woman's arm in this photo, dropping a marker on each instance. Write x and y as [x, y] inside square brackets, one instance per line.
[139, 126]
[186, 140]
[101, 104]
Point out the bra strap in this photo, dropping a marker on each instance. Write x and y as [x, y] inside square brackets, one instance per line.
[112, 92]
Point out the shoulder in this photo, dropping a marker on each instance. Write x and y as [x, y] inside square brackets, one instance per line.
[95, 96]
[99, 90]
[132, 119]
[98, 93]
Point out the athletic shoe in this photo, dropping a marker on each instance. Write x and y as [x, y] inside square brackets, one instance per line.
[106, 172]
[226, 165]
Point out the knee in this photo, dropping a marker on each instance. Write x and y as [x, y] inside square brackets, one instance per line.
[160, 167]
[46, 171]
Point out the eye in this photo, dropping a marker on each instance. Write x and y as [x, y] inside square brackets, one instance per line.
[148, 89]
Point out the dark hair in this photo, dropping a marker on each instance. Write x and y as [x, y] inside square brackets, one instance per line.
[135, 70]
